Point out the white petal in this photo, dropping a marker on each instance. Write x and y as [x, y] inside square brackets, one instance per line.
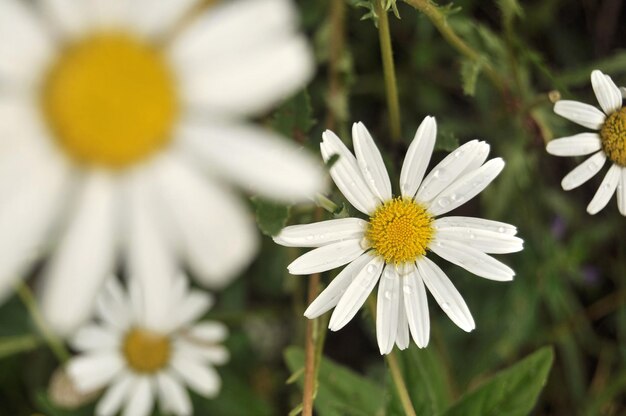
[477, 158]
[321, 233]
[113, 306]
[472, 260]
[330, 296]
[249, 82]
[416, 307]
[327, 257]
[201, 378]
[69, 17]
[606, 190]
[485, 241]
[256, 159]
[447, 171]
[195, 305]
[623, 90]
[466, 187]
[26, 218]
[371, 162]
[93, 371]
[356, 294]
[608, 95]
[347, 175]
[402, 337]
[417, 157]
[445, 294]
[209, 331]
[387, 309]
[206, 353]
[583, 172]
[151, 258]
[621, 192]
[216, 231]
[116, 394]
[154, 19]
[578, 145]
[173, 395]
[94, 337]
[584, 114]
[476, 223]
[141, 399]
[84, 258]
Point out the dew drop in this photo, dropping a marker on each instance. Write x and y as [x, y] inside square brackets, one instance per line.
[388, 295]
[309, 237]
[445, 306]
[500, 229]
[371, 269]
[407, 289]
[444, 202]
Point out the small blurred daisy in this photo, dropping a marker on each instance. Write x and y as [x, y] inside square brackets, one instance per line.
[139, 362]
[395, 239]
[119, 125]
[608, 143]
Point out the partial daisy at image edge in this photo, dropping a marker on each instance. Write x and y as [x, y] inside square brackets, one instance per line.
[608, 142]
[391, 247]
[147, 175]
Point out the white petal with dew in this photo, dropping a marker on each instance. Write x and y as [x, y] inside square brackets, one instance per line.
[476, 223]
[347, 175]
[606, 190]
[583, 172]
[402, 337]
[446, 295]
[330, 296]
[584, 114]
[417, 157]
[578, 145]
[327, 257]
[416, 307]
[321, 233]
[486, 241]
[356, 294]
[387, 309]
[472, 260]
[466, 187]
[371, 162]
[608, 95]
[621, 192]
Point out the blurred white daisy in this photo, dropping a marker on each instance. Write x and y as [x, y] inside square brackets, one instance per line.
[121, 132]
[394, 240]
[141, 362]
[608, 143]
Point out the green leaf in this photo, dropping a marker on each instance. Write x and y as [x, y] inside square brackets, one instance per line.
[511, 392]
[294, 118]
[470, 70]
[341, 391]
[18, 344]
[270, 216]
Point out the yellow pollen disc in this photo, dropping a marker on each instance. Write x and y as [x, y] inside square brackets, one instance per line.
[110, 100]
[146, 351]
[400, 230]
[613, 135]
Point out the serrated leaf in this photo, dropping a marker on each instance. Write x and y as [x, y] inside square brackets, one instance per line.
[511, 392]
[470, 70]
[271, 217]
[294, 118]
[341, 391]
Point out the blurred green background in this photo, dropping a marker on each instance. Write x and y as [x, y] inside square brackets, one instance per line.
[570, 288]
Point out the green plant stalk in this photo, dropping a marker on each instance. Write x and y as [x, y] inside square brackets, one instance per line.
[394, 367]
[55, 344]
[438, 19]
[389, 70]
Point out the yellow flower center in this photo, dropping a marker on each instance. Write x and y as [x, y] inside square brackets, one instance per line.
[400, 230]
[110, 100]
[613, 135]
[146, 351]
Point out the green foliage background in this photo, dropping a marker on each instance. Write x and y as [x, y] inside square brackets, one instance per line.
[570, 288]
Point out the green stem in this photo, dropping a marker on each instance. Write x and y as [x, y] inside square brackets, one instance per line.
[389, 71]
[55, 344]
[394, 367]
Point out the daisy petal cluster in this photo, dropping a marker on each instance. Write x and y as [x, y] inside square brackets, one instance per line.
[140, 363]
[124, 132]
[392, 246]
[609, 143]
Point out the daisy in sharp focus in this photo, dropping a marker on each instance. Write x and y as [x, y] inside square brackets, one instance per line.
[122, 132]
[400, 231]
[142, 363]
[608, 143]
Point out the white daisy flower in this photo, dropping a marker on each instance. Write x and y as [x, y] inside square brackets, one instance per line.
[121, 132]
[140, 362]
[608, 143]
[394, 240]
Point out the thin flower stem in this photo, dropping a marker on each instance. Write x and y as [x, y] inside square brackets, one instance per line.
[391, 87]
[394, 368]
[438, 19]
[310, 353]
[55, 344]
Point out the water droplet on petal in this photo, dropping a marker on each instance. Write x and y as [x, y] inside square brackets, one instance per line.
[371, 268]
[445, 306]
[309, 237]
[407, 289]
[388, 295]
